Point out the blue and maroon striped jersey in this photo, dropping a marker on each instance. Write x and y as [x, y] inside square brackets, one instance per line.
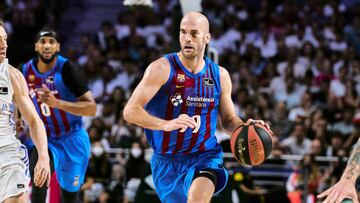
[197, 95]
[57, 122]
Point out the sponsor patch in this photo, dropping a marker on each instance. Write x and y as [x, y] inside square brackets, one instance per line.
[208, 82]
[20, 186]
[4, 90]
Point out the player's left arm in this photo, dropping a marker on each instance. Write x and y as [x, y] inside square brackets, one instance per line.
[229, 119]
[75, 80]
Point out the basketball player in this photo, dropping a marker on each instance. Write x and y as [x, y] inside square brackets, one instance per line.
[345, 188]
[61, 97]
[177, 102]
[14, 175]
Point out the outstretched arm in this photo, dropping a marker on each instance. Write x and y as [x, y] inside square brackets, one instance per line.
[37, 129]
[345, 188]
[155, 76]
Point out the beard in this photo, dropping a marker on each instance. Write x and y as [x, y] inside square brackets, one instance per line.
[45, 60]
[196, 52]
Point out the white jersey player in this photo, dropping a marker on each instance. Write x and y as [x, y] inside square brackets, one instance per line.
[14, 178]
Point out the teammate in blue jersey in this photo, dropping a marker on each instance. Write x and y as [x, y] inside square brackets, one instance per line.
[177, 102]
[61, 96]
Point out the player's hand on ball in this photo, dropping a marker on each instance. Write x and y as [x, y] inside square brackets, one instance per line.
[182, 122]
[261, 122]
[42, 173]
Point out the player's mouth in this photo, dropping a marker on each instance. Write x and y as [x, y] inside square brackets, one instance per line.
[188, 48]
[3, 53]
[47, 54]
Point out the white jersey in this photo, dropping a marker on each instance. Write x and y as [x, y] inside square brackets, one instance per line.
[14, 173]
[7, 124]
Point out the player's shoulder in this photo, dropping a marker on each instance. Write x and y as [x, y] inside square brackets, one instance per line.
[14, 72]
[161, 64]
[16, 77]
[159, 68]
[223, 71]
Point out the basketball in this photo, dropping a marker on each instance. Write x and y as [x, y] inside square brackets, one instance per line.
[251, 143]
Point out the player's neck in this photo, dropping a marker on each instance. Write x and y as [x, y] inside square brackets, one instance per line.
[43, 67]
[193, 65]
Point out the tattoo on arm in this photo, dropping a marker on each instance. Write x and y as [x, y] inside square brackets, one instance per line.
[353, 163]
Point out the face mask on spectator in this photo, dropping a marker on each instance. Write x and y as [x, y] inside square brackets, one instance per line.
[97, 150]
[136, 152]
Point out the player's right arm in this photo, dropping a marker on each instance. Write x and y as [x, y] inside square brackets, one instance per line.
[155, 76]
[37, 129]
[345, 188]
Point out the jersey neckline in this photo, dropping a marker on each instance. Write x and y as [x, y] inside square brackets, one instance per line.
[203, 71]
[34, 63]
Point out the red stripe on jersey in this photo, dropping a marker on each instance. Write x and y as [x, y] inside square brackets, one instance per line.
[54, 119]
[35, 102]
[198, 110]
[189, 82]
[55, 122]
[208, 128]
[168, 116]
[63, 116]
[180, 135]
[195, 136]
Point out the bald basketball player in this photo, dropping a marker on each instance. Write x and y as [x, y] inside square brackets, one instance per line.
[177, 102]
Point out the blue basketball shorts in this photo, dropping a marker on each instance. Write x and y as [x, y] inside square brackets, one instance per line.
[174, 174]
[71, 154]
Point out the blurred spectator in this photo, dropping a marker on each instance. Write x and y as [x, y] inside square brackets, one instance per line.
[135, 169]
[297, 142]
[307, 172]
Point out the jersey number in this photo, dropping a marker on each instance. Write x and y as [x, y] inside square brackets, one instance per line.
[45, 109]
[197, 119]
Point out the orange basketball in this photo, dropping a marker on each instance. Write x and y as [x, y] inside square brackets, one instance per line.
[251, 144]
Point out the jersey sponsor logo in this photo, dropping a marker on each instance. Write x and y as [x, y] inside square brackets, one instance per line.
[50, 79]
[176, 100]
[208, 82]
[4, 90]
[180, 86]
[199, 101]
[181, 78]
[20, 186]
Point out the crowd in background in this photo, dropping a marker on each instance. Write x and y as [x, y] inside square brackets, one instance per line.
[293, 63]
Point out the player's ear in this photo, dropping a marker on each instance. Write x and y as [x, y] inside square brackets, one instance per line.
[58, 47]
[207, 38]
[36, 49]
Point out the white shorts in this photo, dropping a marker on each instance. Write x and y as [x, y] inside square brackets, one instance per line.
[14, 171]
